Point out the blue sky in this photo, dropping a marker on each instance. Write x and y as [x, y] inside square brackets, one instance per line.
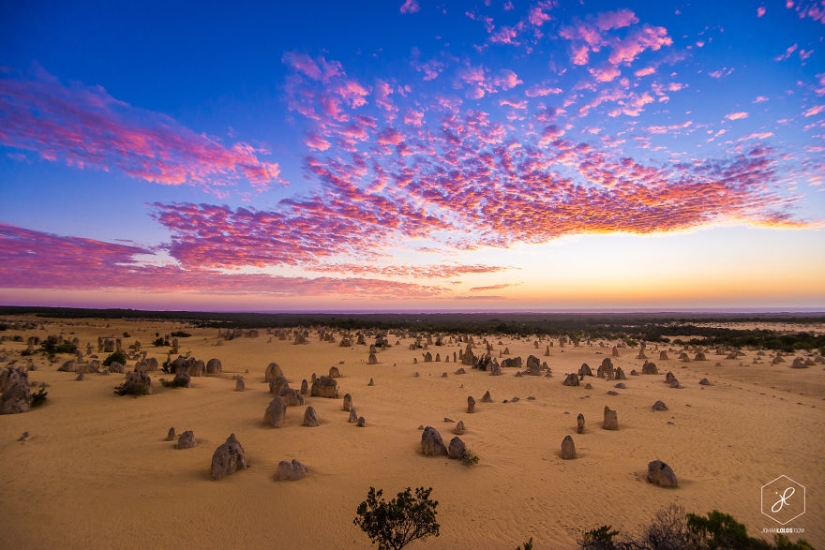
[412, 154]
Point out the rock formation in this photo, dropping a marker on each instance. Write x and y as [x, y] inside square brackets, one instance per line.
[290, 471]
[310, 418]
[272, 372]
[186, 440]
[276, 412]
[214, 366]
[580, 423]
[661, 474]
[292, 398]
[486, 398]
[659, 406]
[456, 449]
[649, 368]
[611, 419]
[568, 448]
[15, 388]
[431, 443]
[571, 380]
[228, 458]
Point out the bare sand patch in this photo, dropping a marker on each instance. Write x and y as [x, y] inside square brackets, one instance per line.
[97, 471]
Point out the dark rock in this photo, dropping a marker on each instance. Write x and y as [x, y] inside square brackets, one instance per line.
[471, 404]
[568, 448]
[170, 435]
[228, 458]
[324, 387]
[214, 366]
[580, 423]
[459, 428]
[571, 380]
[186, 440]
[310, 418]
[290, 471]
[362, 422]
[661, 474]
[659, 406]
[272, 372]
[292, 398]
[457, 449]
[240, 385]
[347, 402]
[486, 398]
[276, 412]
[431, 442]
[611, 419]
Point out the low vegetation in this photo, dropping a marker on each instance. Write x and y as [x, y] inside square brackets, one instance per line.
[38, 398]
[116, 357]
[395, 524]
[672, 529]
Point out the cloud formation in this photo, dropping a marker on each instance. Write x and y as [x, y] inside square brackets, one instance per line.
[84, 126]
[34, 259]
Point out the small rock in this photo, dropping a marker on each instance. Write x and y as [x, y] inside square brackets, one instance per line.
[170, 435]
[186, 440]
[661, 474]
[659, 406]
[568, 448]
[361, 422]
[290, 471]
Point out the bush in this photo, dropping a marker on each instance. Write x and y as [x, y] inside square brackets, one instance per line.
[159, 342]
[181, 334]
[672, 530]
[38, 398]
[396, 523]
[116, 357]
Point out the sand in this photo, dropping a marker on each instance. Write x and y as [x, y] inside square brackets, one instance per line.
[97, 472]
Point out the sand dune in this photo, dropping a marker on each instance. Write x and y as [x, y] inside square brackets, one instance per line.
[97, 471]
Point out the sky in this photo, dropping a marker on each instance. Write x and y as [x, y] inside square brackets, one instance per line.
[413, 155]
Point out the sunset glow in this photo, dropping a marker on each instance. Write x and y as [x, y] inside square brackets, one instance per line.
[414, 155]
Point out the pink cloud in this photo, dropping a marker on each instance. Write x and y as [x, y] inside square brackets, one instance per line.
[788, 52]
[541, 91]
[814, 110]
[760, 99]
[507, 35]
[35, 260]
[616, 19]
[537, 17]
[736, 116]
[628, 49]
[720, 73]
[647, 71]
[410, 6]
[760, 11]
[316, 69]
[85, 127]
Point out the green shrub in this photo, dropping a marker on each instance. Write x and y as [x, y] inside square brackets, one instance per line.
[396, 523]
[38, 398]
[116, 357]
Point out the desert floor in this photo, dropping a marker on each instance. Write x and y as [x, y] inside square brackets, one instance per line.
[96, 471]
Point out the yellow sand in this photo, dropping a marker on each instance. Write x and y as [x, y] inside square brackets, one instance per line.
[97, 473]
